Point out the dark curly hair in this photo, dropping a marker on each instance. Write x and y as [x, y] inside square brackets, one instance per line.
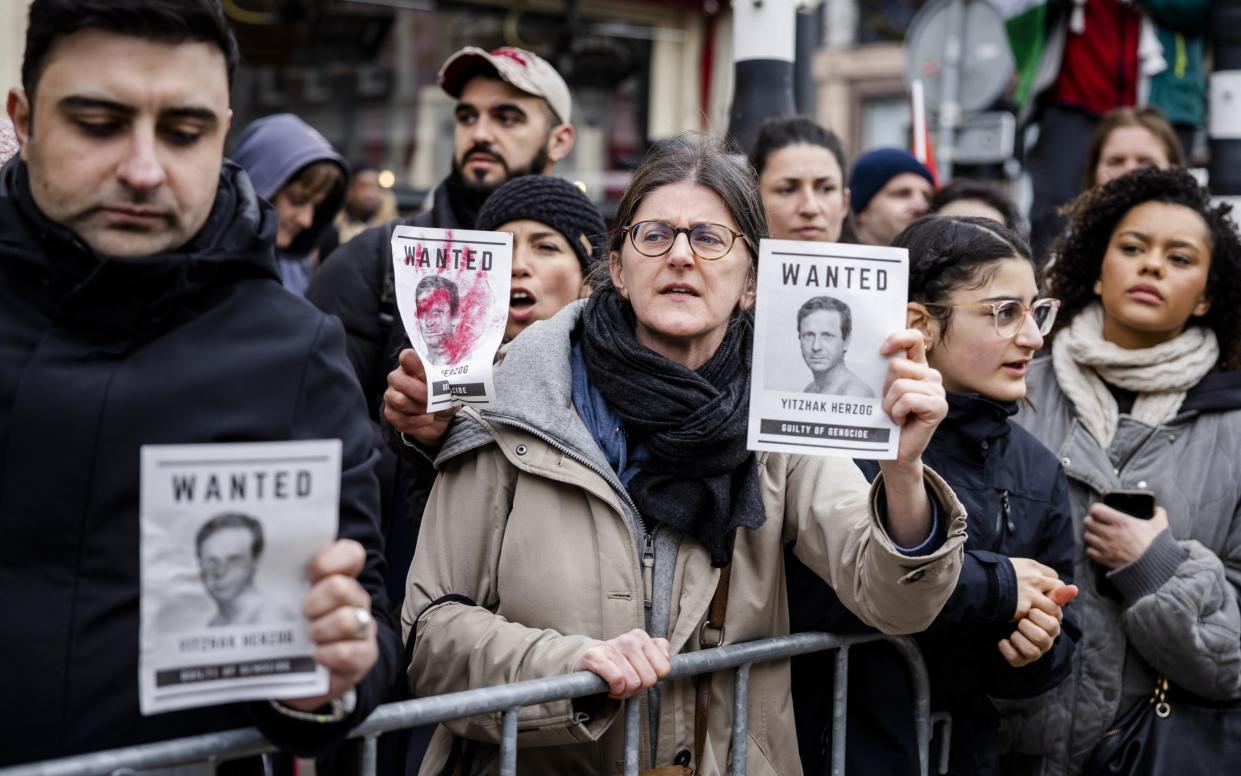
[1093, 218]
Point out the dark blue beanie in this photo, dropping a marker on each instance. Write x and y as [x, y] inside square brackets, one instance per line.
[873, 169]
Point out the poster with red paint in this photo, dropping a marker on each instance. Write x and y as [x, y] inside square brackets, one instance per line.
[452, 288]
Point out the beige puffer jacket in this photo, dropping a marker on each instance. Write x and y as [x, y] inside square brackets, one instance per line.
[527, 521]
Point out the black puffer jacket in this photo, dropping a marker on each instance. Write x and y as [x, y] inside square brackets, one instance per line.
[99, 357]
[1016, 495]
[357, 286]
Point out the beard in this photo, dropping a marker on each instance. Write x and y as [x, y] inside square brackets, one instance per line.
[482, 189]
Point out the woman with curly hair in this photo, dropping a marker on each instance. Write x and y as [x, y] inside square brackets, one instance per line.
[1140, 393]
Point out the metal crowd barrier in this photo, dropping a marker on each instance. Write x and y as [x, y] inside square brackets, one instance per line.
[508, 699]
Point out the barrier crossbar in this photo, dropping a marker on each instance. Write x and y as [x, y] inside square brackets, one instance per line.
[509, 699]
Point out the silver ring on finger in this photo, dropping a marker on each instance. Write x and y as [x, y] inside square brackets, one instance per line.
[363, 620]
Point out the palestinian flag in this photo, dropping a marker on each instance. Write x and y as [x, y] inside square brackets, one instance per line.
[1025, 21]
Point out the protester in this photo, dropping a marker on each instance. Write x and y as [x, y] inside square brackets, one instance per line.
[801, 176]
[980, 199]
[140, 305]
[558, 235]
[974, 296]
[615, 470]
[367, 204]
[890, 189]
[513, 112]
[1078, 60]
[1140, 393]
[292, 166]
[1128, 139]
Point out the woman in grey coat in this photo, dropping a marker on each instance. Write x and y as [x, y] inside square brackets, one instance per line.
[1140, 394]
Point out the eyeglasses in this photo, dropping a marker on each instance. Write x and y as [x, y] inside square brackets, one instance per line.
[1009, 315]
[707, 241]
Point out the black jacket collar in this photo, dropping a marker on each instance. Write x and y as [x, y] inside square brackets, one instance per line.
[978, 419]
[114, 296]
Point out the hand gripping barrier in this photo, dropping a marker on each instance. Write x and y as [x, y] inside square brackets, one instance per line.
[510, 698]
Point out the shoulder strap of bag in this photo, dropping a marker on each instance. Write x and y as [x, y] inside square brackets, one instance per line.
[712, 635]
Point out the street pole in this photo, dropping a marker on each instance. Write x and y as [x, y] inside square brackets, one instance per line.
[1224, 125]
[810, 26]
[764, 40]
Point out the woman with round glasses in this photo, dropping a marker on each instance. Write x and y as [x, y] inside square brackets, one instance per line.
[974, 298]
[1140, 393]
[606, 514]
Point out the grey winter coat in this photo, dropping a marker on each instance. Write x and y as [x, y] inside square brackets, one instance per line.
[1176, 611]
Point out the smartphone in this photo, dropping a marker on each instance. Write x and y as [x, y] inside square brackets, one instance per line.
[1135, 503]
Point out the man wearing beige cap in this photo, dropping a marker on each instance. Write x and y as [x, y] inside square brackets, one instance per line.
[512, 119]
[512, 114]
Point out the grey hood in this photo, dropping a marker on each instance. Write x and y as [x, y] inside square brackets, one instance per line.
[534, 388]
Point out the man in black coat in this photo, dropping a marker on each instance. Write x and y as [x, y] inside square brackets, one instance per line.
[140, 304]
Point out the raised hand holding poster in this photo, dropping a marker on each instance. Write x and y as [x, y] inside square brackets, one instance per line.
[452, 289]
[822, 311]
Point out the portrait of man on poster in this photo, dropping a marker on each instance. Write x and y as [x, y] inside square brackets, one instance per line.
[229, 547]
[437, 300]
[824, 331]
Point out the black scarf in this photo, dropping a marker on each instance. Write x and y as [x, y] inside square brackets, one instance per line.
[700, 478]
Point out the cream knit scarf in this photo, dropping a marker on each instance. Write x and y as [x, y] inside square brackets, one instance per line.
[1160, 376]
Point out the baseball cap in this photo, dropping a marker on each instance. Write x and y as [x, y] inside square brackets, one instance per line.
[528, 72]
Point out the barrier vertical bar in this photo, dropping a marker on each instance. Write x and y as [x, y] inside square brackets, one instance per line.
[368, 756]
[633, 718]
[741, 720]
[508, 743]
[922, 698]
[840, 698]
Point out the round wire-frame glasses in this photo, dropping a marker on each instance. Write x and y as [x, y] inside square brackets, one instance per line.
[1009, 315]
[707, 241]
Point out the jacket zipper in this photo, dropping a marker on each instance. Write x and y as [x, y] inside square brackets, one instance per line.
[608, 476]
[647, 560]
[648, 570]
[1003, 520]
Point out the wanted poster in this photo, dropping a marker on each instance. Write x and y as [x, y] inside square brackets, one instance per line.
[452, 288]
[227, 531]
[821, 314]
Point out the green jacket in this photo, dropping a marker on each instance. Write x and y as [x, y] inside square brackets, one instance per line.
[1179, 91]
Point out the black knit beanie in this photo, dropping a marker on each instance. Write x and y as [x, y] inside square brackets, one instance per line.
[552, 201]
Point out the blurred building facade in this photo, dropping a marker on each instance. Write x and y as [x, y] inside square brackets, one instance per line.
[364, 72]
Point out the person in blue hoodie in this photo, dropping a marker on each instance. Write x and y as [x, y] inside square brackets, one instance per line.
[296, 169]
[974, 296]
